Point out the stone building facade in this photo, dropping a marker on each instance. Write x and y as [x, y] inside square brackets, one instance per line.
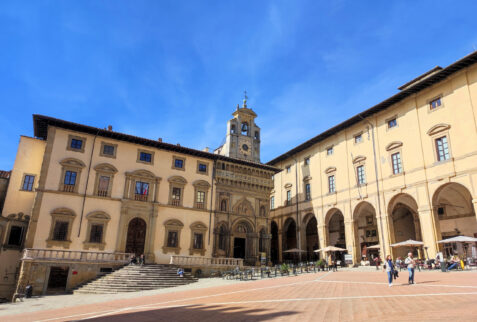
[92, 193]
[405, 168]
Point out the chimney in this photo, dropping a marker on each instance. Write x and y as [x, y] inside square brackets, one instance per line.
[159, 139]
[110, 127]
[206, 149]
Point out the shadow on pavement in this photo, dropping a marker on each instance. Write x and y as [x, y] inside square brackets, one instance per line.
[197, 313]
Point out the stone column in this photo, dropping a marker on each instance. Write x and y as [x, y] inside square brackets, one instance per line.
[252, 247]
[126, 187]
[323, 238]
[280, 245]
[350, 239]
[23, 278]
[156, 190]
[151, 235]
[474, 202]
[428, 232]
[267, 238]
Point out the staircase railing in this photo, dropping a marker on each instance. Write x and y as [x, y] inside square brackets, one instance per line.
[206, 261]
[75, 256]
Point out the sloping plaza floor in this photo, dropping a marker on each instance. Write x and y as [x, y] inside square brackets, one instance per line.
[326, 296]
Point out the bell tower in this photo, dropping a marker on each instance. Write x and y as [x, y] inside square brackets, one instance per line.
[243, 135]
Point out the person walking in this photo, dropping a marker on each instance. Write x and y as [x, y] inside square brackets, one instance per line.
[390, 269]
[411, 263]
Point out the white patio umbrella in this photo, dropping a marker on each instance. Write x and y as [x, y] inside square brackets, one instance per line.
[294, 250]
[330, 249]
[409, 243]
[458, 239]
[377, 246]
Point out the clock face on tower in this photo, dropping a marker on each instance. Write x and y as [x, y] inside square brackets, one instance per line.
[244, 149]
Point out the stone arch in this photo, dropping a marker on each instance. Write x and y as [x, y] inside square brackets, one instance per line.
[136, 236]
[365, 231]
[312, 242]
[403, 222]
[454, 215]
[243, 241]
[274, 247]
[222, 232]
[335, 231]
[289, 234]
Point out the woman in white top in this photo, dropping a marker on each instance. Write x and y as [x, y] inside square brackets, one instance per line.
[411, 263]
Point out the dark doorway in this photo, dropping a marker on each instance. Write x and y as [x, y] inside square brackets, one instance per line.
[239, 247]
[136, 236]
[57, 280]
[274, 243]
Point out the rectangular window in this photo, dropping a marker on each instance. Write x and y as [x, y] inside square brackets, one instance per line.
[172, 239]
[70, 181]
[288, 197]
[200, 202]
[272, 202]
[202, 168]
[360, 174]
[141, 191]
[329, 151]
[179, 163]
[28, 183]
[392, 123]
[145, 157]
[60, 231]
[435, 103]
[396, 160]
[331, 184]
[288, 169]
[176, 196]
[307, 161]
[15, 238]
[76, 144]
[307, 192]
[358, 138]
[108, 149]
[103, 186]
[442, 149]
[198, 244]
[96, 234]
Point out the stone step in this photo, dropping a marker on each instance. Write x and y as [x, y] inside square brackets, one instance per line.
[134, 278]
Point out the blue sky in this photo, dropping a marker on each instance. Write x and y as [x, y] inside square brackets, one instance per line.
[177, 69]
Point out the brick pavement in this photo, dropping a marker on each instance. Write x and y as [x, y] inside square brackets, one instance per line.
[334, 296]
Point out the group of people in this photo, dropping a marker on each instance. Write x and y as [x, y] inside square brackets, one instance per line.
[391, 268]
[134, 260]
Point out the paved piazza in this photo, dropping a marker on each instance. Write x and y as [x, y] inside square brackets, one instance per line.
[325, 296]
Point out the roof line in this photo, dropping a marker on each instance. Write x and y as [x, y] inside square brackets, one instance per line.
[417, 87]
[41, 123]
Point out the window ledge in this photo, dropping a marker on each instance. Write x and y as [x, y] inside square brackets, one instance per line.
[443, 162]
[88, 245]
[193, 251]
[58, 243]
[397, 174]
[167, 249]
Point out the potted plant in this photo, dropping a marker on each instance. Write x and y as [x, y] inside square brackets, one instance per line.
[284, 269]
[321, 264]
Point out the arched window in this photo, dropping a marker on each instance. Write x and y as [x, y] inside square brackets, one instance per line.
[244, 128]
[257, 135]
[223, 205]
[233, 130]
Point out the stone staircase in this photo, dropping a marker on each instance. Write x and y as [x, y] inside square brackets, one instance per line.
[134, 278]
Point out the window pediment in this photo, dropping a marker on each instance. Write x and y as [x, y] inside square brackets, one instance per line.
[438, 128]
[359, 158]
[307, 178]
[99, 215]
[142, 174]
[330, 170]
[106, 167]
[71, 162]
[288, 185]
[201, 183]
[177, 179]
[174, 223]
[64, 212]
[393, 145]
[198, 226]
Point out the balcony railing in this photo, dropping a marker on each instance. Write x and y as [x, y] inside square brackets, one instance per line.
[176, 202]
[206, 261]
[69, 188]
[140, 197]
[74, 256]
[103, 193]
[200, 205]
